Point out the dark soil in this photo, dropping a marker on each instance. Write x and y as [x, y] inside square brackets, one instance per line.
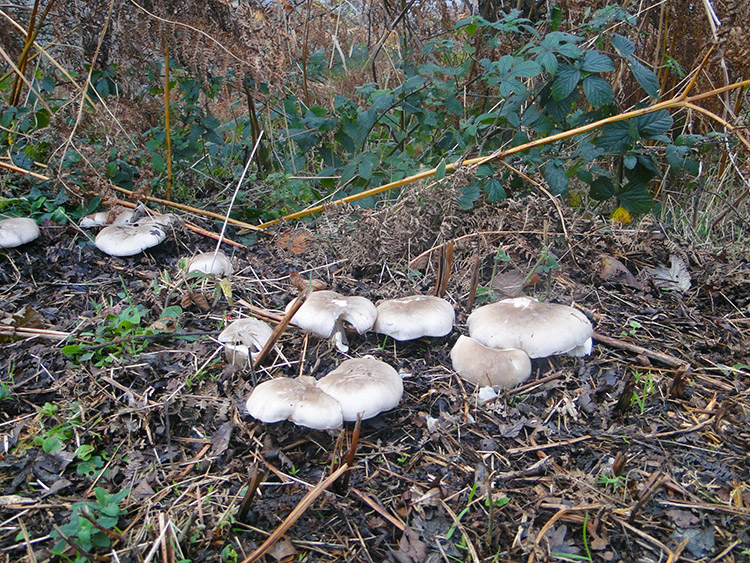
[638, 452]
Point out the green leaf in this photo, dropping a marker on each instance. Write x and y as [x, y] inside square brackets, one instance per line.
[42, 118]
[469, 194]
[527, 69]
[646, 78]
[635, 197]
[598, 91]
[677, 156]
[440, 171]
[51, 444]
[71, 350]
[623, 45]
[494, 190]
[570, 50]
[594, 61]
[615, 137]
[566, 81]
[549, 61]
[601, 188]
[157, 162]
[556, 178]
[654, 124]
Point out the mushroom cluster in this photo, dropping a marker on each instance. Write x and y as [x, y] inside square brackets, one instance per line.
[407, 318]
[364, 385]
[502, 333]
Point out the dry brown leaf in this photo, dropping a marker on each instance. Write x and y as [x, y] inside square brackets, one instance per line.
[510, 283]
[302, 284]
[282, 550]
[615, 271]
[674, 278]
[295, 241]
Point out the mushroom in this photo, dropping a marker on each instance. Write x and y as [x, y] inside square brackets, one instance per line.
[211, 263]
[489, 366]
[363, 385]
[132, 238]
[102, 218]
[539, 329]
[244, 337]
[323, 314]
[415, 316]
[17, 231]
[298, 400]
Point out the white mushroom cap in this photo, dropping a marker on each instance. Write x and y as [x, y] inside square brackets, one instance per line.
[17, 231]
[489, 366]
[244, 337]
[363, 385]
[211, 263]
[130, 239]
[101, 218]
[540, 329]
[415, 316]
[324, 312]
[298, 400]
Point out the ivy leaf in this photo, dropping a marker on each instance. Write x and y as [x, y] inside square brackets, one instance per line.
[646, 78]
[556, 178]
[598, 91]
[566, 81]
[623, 45]
[594, 61]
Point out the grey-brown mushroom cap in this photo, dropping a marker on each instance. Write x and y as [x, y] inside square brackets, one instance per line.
[244, 337]
[540, 329]
[489, 366]
[211, 263]
[130, 239]
[298, 400]
[16, 231]
[415, 316]
[363, 385]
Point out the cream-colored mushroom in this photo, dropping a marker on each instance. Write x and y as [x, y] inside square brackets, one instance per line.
[324, 312]
[415, 316]
[17, 231]
[489, 366]
[540, 329]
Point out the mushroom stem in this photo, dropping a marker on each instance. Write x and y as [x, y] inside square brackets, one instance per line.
[339, 336]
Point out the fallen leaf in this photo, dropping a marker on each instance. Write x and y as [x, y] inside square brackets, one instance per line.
[674, 278]
[616, 272]
[411, 548]
[509, 283]
[302, 284]
[297, 242]
[282, 550]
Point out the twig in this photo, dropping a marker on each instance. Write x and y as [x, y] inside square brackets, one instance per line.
[659, 356]
[372, 503]
[27, 332]
[547, 446]
[295, 514]
[279, 329]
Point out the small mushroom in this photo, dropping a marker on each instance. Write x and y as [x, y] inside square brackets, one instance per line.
[243, 338]
[17, 231]
[131, 238]
[211, 263]
[415, 316]
[324, 312]
[363, 385]
[102, 218]
[539, 329]
[489, 366]
[298, 400]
